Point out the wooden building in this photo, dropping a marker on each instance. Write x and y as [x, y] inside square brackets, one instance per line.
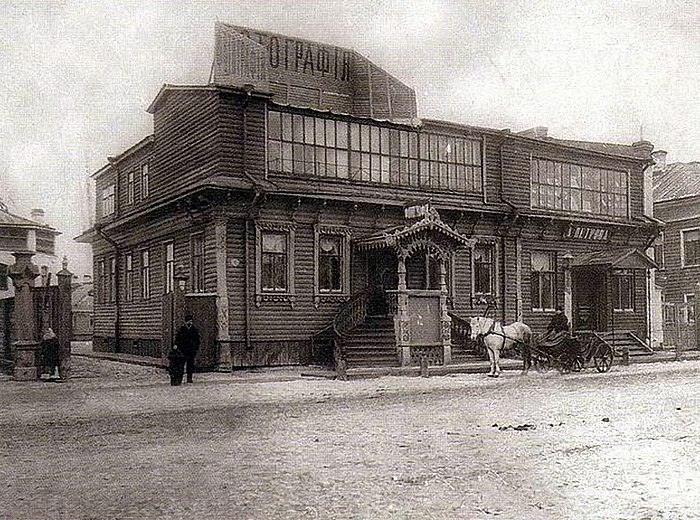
[677, 249]
[301, 197]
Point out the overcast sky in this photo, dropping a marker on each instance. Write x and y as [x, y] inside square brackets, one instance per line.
[76, 77]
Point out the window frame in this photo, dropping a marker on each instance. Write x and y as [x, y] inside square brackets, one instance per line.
[112, 260]
[168, 266]
[145, 181]
[130, 187]
[101, 281]
[108, 198]
[660, 251]
[493, 270]
[683, 248]
[145, 274]
[197, 271]
[128, 277]
[616, 280]
[344, 234]
[554, 283]
[690, 309]
[263, 295]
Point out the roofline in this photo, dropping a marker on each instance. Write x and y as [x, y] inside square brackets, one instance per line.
[169, 87]
[112, 161]
[676, 199]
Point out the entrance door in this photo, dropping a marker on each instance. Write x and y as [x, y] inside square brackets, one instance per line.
[589, 299]
[382, 275]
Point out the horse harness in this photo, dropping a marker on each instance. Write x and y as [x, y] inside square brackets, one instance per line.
[492, 332]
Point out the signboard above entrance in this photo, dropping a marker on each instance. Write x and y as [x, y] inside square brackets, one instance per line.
[306, 73]
[586, 233]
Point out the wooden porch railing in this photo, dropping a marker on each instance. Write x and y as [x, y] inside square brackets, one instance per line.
[352, 313]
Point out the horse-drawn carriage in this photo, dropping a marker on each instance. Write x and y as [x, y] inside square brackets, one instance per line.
[562, 350]
[569, 353]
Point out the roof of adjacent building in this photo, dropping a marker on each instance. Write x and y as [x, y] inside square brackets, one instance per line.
[677, 180]
[11, 220]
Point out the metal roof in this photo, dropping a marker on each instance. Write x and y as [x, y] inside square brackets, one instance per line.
[677, 180]
[627, 258]
[10, 220]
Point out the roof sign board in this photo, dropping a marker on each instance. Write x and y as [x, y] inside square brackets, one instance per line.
[306, 73]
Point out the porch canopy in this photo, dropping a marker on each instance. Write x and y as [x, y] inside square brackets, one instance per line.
[628, 258]
[415, 234]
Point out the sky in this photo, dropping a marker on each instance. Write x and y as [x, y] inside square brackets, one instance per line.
[76, 77]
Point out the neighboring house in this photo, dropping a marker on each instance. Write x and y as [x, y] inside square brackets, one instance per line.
[22, 234]
[299, 194]
[83, 306]
[677, 204]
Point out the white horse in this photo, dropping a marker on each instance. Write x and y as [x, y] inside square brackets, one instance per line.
[496, 338]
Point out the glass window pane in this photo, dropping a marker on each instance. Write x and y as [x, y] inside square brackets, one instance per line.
[341, 134]
[274, 125]
[342, 162]
[298, 128]
[364, 133]
[308, 130]
[374, 139]
[320, 131]
[330, 133]
[286, 127]
[274, 155]
[384, 136]
[354, 136]
[274, 242]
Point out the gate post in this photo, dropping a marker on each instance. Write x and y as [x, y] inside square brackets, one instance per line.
[25, 348]
[65, 319]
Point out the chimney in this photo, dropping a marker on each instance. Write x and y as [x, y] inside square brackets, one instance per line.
[659, 157]
[537, 132]
[38, 215]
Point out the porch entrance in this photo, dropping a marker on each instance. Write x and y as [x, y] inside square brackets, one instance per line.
[589, 298]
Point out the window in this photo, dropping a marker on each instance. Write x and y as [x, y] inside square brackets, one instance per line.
[145, 275]
[322, 147]
[690, 309]
[3, 277]
[108, 200]
[623, 290]
[145, 188]
[572, 187]
[197, 262]
[543, 281]
[690, 247]
[274, 262]
[112, 279]
[101, 282]
[169, 281]
[130, 187]
[483, 269]
[128, 277]
[330, 263]
[659, 252]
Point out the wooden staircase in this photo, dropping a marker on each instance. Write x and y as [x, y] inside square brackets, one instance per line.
[620, 340]
[371, 344]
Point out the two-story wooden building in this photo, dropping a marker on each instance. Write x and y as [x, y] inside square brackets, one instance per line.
[300, 195]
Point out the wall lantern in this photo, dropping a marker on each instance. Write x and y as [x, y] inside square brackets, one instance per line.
[567, 260]
[180, 277]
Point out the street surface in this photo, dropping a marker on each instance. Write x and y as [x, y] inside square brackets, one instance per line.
[118, 443]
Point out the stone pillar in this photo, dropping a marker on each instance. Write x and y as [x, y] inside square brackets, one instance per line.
[402, 323]
[222, 305]
[445, 320]
[25, 347]
[65, 319]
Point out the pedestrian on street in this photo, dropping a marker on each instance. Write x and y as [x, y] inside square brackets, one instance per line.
[177, 365]
[187, 340]
[50, 353]
[559, 321]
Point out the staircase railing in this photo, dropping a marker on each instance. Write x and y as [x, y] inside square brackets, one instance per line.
[352, 313]
[461, 332]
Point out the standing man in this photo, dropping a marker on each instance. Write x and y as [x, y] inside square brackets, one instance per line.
[187, 340]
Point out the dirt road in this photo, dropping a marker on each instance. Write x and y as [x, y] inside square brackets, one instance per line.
[622, 445]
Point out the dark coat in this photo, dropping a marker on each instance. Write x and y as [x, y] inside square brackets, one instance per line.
[559, 323]
[187, 339]
[50, 352]
[177, 361]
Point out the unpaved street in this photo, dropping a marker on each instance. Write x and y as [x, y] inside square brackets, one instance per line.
[622, 445]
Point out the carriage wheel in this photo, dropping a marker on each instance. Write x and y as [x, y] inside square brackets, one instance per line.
[577, 365]
[542, 364]
[603, 359]
[564, 363]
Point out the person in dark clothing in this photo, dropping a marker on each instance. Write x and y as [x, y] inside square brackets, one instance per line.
[50, 353]
[559, 322]
[177, 365]
[187, 340]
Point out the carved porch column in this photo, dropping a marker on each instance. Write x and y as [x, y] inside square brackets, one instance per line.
[445, 320]
[25, 347]
[402, 323]
[222, 305]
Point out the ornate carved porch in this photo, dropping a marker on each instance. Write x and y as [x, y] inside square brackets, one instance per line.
[422, 323]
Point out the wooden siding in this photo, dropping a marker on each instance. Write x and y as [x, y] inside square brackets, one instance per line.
[187, 142]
